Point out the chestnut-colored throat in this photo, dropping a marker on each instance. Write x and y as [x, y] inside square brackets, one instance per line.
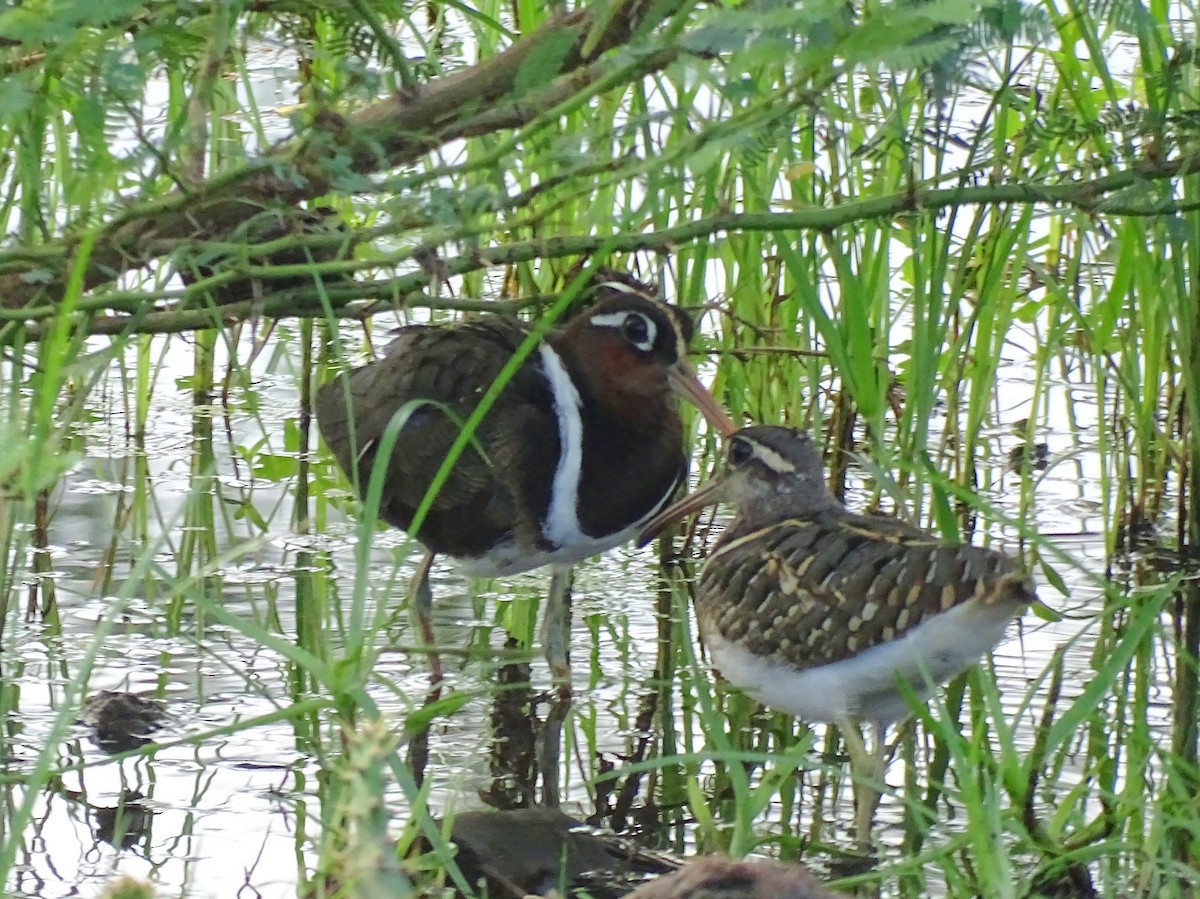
[562, 467]
[632, 443]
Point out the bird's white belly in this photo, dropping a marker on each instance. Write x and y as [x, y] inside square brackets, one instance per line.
[509, 558]
[863, 687]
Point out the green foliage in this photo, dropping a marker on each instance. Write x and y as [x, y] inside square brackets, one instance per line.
[856, 199]
[42, 22]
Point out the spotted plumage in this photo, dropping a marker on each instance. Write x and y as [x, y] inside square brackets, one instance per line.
[799, 586]
[831, 615]
[831, 585]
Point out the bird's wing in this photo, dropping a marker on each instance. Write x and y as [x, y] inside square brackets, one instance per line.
[450, 367]
[823, 588]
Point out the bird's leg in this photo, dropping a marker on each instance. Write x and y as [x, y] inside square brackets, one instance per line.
[867, 768]
[549, 749]
[556, 628]
[422, 598]
[878, 761]
[418, 748]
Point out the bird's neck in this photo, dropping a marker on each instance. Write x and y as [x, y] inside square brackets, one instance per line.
[756, 516]
[614, 397]
[631, 449]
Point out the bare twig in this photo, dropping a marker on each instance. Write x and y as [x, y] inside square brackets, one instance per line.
[1084, 196]
[391, 133]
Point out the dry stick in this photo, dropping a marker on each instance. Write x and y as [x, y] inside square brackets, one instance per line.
[1086, 196]
[384, 135]
[283, 306]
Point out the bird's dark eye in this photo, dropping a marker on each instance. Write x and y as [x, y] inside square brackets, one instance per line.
[639, 330]
[739, 451]
[636, 328]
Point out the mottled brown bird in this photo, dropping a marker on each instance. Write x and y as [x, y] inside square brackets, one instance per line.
[582, 446]
[832, 616]
[723, 878]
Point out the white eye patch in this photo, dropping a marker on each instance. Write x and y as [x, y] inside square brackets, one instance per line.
[609, 319]
[635, 327]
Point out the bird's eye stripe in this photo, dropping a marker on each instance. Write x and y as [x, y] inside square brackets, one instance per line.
[680, 343]
[773, 460]
[609, 319]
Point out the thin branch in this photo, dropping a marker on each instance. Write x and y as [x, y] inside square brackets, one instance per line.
[361, 299]
[388, 134]
[279, 308]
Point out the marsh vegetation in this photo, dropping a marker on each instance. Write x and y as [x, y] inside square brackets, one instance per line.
[956, 241]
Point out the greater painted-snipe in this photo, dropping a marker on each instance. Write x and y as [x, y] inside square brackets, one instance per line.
[583, 445]
[714, 877]
[833, 616]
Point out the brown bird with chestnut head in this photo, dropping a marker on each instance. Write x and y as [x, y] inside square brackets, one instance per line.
[583, 445]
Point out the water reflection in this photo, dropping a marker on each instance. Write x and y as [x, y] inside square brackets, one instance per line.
[210, 816]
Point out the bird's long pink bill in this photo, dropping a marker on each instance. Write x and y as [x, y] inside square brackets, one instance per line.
[683, 381]
[708, 495]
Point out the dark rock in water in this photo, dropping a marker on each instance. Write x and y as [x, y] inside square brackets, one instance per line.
[521, 851]
[723, 878]
[536, 850]
[121, 721]
[542, 851]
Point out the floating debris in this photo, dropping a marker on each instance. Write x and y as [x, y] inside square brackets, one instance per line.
[723, 878]
[121, 721]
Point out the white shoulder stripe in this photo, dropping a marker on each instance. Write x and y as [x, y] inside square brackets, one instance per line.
[561, 526]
